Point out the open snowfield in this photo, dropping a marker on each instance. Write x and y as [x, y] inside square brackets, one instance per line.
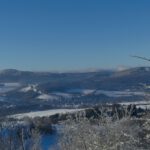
[139, 104]
[45, 113]
[125, 93]
[121, 93]
[8, 87]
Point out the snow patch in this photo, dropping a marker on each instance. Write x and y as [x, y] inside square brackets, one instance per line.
[12, 84]
[8, 87]
[139, 104]
[65, 95]
[87, 91]
[29, 88]
[45, 113]
[26, 89]
[82, 91]
[47, 97]
[120, 93]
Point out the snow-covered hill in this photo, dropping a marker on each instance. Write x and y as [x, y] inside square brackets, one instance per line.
[45, 113]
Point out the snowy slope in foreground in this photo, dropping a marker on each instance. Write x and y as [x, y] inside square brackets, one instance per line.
[45, 113]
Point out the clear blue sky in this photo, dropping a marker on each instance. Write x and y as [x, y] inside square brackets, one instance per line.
[73, 34]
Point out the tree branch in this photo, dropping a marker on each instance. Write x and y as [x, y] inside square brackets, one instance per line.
[139, 57]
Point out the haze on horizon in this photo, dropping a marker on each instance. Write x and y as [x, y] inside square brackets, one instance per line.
[73, 35]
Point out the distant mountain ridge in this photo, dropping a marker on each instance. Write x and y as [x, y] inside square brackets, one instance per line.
[13, 75]
[104, 79]
[26, 90]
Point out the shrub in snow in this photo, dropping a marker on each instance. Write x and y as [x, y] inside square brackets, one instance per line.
[105, 133]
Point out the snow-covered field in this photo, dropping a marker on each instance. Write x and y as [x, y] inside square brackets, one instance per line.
[45, 113]
[30, 87]
[81, 91]
[44, 96]
[47, 97]
[139, 104]
[8, 87]
[65, 95]
[120, 93]
[124, 93]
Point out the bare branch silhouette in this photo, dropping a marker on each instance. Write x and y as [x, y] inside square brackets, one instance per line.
[139, 57]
